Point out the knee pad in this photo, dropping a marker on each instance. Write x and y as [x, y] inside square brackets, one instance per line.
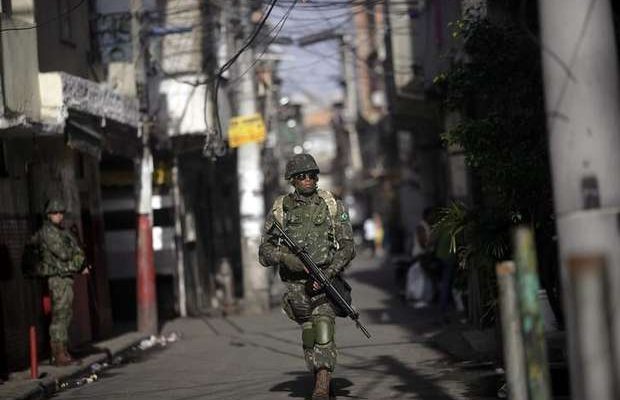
[323, 330]
[307, 335]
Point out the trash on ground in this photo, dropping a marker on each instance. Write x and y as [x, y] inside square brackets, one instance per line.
[85, 380]
[133, 354]
[96, 367]
[160, 340]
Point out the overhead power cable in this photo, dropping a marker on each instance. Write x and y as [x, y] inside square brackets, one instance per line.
[226, 66]
[277, 28]
[249, 42]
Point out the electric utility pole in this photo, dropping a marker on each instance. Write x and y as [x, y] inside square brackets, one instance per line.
[582, 102]
[251, 201]
[145, 267]
[179, 211]
[351, 102]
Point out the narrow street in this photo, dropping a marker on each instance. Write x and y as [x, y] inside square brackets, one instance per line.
[259, 357]
[148, 149]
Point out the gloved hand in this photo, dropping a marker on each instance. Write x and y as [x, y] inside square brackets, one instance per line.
[330, 272]
[291, 261]
[314, 286]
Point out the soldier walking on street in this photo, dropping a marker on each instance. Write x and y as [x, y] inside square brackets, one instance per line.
[60, 258]
[320, 225]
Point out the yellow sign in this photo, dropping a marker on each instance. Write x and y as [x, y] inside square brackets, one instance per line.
[246, 129]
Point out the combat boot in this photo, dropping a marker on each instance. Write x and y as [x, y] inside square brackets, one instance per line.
[68, 356]
[321, 385]
[60, 356]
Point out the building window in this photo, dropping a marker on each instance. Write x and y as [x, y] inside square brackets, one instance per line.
[65, 12]
[4, 167]
[5, 7]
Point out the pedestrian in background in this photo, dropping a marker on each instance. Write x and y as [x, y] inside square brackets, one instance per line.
[419, 287]
[379, 234]
[319, 224]
[422, 242]
[448, 264]
[370, 232]
[60, 258]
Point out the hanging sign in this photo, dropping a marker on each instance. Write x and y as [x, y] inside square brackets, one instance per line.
[246, 129]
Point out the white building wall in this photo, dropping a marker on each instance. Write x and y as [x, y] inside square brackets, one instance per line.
[20, 62]
[121, 244]
[185, 111]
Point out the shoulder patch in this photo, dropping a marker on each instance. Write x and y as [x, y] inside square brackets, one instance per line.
[278, 209]
[344, 217]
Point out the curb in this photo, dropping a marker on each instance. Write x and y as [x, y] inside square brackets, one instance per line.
[45, 387]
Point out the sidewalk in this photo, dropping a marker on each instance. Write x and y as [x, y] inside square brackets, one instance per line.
[21, 387]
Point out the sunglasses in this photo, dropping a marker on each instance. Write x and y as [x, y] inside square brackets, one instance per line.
[310, 175]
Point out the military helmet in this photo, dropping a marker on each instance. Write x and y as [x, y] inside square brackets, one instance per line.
[55, 205]
[300, 163]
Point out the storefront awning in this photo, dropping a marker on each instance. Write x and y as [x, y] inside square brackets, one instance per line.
[61, 92]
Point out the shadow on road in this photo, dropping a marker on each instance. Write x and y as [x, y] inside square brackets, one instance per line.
[302, 385]
[413, 384]
[424, 325]
[394, 309]
[412, 381]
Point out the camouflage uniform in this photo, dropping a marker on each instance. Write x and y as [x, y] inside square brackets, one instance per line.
[329, 241]
[61, 257]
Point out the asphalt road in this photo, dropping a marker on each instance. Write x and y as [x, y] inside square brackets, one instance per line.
[259, 357]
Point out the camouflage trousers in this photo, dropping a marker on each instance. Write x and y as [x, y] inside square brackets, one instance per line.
[61, 290]
[301, 308]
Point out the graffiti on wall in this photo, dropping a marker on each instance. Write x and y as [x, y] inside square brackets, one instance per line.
[114, 37]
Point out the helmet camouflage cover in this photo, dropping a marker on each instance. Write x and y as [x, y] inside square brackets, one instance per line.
[300, 163]
[55, 205]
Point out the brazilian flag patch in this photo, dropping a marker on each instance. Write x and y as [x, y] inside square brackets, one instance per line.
[344, 217]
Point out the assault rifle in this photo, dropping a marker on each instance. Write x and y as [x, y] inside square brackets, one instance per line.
[319, 276]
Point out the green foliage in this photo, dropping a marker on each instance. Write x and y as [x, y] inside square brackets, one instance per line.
[480, 238]
[486, 235]
[497, 89]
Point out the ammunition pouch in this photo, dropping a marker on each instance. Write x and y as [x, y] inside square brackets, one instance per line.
[296, 308]
[319, 297]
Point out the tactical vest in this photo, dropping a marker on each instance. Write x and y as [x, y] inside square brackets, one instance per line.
[306, 229]
[328, 198]
[49, 264]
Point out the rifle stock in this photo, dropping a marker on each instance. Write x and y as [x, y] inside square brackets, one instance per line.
[319, 276]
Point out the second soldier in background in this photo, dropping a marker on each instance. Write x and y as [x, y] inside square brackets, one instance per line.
[60, 259]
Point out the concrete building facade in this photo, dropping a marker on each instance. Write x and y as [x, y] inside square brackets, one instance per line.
[400, 48]
[55, 122]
